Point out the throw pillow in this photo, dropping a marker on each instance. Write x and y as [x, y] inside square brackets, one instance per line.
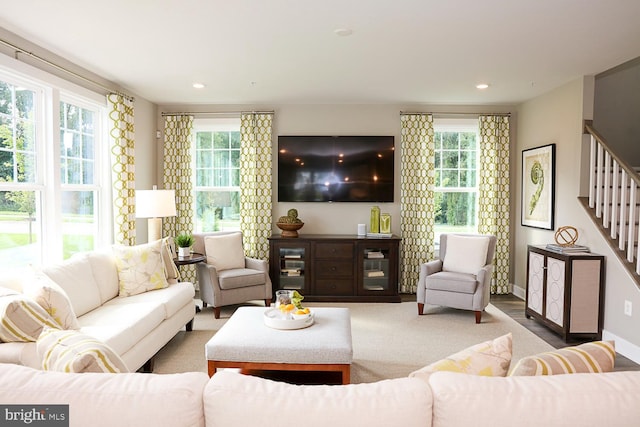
[490, 358]
[72, 351]
[224, 251]
[50, 296]
[597, 356]
[21, 318]
[140, 268]
[173, 275]
[465, 254]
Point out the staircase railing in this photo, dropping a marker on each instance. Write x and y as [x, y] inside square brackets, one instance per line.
[613, 196]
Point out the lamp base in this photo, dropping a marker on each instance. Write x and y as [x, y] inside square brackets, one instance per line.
[154, 231]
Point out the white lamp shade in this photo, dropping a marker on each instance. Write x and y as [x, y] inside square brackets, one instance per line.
[155, 203]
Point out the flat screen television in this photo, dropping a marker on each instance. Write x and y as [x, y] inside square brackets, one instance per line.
[335, 168]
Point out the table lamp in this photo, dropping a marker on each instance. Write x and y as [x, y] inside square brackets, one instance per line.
[155, 204]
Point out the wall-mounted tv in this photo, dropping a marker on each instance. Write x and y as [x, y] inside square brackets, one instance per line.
[335, 168]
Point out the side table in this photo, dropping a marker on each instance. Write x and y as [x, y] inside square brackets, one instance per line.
[193, 258]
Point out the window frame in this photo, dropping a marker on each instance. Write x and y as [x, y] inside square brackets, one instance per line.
[51, 90]
[220, 124]
[459, 125]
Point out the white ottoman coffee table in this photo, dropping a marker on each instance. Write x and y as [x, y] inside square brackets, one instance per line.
[245, 342]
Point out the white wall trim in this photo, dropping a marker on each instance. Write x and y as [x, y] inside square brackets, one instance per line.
[624, 347]
[519, 292]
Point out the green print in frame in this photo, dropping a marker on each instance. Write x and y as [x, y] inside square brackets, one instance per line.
[538, 186]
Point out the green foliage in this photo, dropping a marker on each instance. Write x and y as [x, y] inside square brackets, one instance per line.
[291, 218]
[184, 240]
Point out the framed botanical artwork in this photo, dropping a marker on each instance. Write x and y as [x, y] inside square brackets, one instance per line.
[538, 186]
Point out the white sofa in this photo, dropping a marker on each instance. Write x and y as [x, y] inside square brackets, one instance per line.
[230, 399]
[135, 327]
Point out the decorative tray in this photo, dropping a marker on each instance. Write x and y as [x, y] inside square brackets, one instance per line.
[273, 319]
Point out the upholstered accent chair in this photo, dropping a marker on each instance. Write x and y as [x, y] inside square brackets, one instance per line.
[461, 277]
[227, 276]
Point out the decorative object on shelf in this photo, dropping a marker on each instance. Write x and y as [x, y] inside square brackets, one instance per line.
[566, 238]
[362, 229]
[385, 223]
[290, 224]
[379, 235]
[538, 186]
[566, 235]
[573, 249]
[184, 242]
[375, 220]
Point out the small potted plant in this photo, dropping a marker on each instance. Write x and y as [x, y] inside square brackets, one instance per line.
[184, 242]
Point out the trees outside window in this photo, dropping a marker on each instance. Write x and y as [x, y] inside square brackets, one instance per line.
[456, 176]
[217, 174]
[44, 129]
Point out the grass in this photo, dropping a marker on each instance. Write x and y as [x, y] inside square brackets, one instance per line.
[71, 244]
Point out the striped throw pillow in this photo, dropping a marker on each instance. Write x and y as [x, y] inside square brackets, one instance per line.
[71, 351]
[597, 356]
[21, 318]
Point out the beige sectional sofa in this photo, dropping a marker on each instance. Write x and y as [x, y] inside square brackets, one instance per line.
[229, 399]
[134, 327]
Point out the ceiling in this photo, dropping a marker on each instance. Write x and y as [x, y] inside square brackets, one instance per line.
[268, 52]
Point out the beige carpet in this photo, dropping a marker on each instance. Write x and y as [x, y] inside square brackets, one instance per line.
[389, 340]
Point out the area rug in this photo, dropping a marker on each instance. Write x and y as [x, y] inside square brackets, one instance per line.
[390, 340]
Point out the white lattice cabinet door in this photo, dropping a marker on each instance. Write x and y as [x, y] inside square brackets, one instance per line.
[535, 282]
[565, 292]
[554, 302]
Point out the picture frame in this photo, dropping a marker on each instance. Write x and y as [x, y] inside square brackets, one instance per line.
[538, 187]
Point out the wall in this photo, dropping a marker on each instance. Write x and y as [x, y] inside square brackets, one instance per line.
[145, 155]
[338, 218]
[557, 117]
[617, 108]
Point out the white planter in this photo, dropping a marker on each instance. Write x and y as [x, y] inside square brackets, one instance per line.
[184, 252]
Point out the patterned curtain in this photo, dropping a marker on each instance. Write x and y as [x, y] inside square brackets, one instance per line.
[177, 176]
[255, 182]
[122, 168]
[494, 193]
[417, 181]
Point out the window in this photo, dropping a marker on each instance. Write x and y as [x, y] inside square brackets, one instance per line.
[456, 176]
[79, 128]
[217, 174]
[50, 177]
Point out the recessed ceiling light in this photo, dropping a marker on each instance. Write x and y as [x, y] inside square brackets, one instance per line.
[482, 86]
[343, 32]
[198, 85]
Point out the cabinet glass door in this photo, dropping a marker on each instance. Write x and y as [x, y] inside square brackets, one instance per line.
[292, 268]
[375, 269]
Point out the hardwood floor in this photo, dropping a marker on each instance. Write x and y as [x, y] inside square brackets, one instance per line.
[514, 308]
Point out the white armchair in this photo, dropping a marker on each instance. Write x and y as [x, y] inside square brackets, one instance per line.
[228, 276]
[461, 277]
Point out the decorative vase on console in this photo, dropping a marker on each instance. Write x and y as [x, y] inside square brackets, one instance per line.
[375, 220]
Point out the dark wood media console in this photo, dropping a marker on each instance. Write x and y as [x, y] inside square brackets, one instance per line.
[327, 267]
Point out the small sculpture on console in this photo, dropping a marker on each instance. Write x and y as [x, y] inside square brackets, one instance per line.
[290, 224]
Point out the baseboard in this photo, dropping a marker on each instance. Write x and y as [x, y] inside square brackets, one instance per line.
[518, 292]
[624, 347]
